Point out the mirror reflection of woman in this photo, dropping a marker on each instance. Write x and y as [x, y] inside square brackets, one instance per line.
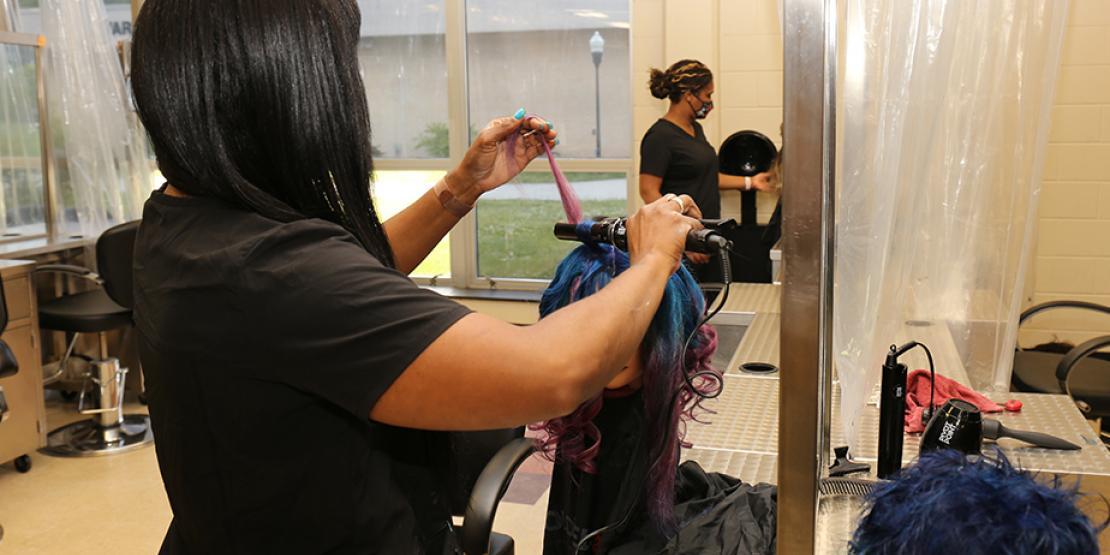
[676, 157]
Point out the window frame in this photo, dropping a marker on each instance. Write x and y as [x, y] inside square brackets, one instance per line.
[45, 143]
[464, 237]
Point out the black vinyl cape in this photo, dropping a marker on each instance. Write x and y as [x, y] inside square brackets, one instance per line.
[717, 514]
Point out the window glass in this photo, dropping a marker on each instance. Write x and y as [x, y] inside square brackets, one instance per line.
[20, 147]
[541, 55]
[404, 66]
[396, 190]
[118, 12]
[516, 221]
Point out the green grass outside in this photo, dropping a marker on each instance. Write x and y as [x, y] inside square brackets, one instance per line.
[573, 177]
[515, 239]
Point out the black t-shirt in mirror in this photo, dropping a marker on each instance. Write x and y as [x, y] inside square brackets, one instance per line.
[265, 345]
[688, 165]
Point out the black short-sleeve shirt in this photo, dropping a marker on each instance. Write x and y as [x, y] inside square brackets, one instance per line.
[688, 165]
[265, 345]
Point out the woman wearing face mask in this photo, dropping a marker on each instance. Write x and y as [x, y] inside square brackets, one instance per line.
[675, 156]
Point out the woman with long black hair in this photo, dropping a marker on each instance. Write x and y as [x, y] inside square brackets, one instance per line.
[295, 374]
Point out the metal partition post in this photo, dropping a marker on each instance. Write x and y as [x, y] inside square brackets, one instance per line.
[809, 75]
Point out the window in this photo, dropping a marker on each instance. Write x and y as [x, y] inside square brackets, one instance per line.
[118, 12]
[568, 61]
[437, 71]
[515, 221]
[22, 212]
[403, 58]
[395, 190]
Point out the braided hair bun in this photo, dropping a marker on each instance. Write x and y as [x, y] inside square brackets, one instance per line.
[659, 84]
[682, 77]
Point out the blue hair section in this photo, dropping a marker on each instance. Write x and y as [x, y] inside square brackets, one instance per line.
[667, 399]
[587, 269]
[949, 503]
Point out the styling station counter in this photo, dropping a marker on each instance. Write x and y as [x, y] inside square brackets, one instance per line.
[741, 438]
[22, 412]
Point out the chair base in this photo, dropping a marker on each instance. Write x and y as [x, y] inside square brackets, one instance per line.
[88, 439]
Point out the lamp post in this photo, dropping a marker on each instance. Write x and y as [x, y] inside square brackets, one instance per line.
[597, 48]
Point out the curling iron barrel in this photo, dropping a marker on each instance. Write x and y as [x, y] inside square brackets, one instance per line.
[614, 232]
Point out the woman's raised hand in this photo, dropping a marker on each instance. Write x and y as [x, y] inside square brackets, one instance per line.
[498, 154]
[660, 229]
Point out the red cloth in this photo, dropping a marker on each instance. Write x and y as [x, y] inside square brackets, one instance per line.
[917, 397]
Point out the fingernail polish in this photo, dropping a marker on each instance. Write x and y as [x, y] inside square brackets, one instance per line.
[556, 142]
[519, 114]
[550, 126]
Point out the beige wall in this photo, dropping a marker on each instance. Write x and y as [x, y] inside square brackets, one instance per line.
[516, 312]
[1073, 250]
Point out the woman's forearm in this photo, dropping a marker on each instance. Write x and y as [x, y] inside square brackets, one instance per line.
[417, 229]
[650, 188]
[726, 181]
[760, 182]
[483, 373]
[605, 329]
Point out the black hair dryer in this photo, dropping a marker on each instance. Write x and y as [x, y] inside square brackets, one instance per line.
[957, 425]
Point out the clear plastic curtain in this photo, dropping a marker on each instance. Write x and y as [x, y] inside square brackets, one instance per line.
[942, 128]
[100, 152]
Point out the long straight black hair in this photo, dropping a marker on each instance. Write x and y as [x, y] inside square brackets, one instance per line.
[260, 103]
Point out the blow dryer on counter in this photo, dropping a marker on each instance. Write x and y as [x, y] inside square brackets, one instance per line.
[958, 424]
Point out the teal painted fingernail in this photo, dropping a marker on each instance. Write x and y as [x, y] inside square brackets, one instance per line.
[550, 126]
[519, 114]
[556, 142]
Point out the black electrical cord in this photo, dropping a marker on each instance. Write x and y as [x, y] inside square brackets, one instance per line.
[726, 278]
[932, 382]
[898, 351]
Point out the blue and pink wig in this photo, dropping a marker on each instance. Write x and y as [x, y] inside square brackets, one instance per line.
[949, 503]
[668, 400]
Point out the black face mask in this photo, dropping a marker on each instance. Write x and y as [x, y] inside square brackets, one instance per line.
[702, 112]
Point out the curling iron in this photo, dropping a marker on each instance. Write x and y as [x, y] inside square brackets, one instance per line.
[614, 232]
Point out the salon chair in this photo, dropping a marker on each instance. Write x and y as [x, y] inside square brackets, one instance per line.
[1082, 372]
[481, 466]
[104, 308]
